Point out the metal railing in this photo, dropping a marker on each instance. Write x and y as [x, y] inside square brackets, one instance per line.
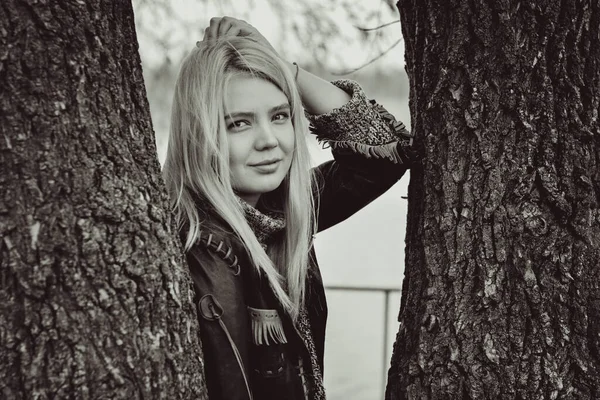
[386, 312]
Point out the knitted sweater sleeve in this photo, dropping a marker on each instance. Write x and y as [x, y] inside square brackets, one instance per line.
[371, 152]
[363, 127]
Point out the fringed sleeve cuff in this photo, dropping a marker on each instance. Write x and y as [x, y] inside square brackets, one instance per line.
[362, 126]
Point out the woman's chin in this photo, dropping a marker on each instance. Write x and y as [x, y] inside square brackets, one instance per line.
[258, 189]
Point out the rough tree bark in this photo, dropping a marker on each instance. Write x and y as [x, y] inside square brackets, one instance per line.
[95, 298]
[501, 297]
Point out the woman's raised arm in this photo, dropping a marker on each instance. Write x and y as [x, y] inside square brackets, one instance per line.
[318, 95]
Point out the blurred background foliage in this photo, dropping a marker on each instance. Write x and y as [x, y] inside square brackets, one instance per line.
[319, 31]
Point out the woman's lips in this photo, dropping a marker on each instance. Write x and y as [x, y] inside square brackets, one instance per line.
[267, 166]
[266, 162]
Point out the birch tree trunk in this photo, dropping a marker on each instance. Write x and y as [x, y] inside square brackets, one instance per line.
[501, 297]
[95, 298]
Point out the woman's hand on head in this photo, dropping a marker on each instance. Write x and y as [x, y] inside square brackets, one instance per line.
[228, 26]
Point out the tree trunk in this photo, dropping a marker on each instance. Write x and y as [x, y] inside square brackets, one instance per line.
[95, 298]
[501, 297]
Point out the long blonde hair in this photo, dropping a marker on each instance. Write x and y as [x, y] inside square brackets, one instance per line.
[197, 162]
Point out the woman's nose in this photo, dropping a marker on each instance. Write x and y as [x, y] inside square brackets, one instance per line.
[266, 137]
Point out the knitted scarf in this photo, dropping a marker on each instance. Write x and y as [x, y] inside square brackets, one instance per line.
[264, 225]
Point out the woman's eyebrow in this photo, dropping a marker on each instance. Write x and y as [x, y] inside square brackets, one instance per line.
[281, 107]
[250, 114]
[238, 114]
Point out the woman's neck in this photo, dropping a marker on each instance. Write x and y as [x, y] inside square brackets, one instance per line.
[250, 198]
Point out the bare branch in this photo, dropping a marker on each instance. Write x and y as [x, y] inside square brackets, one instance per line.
[377, 28]
[347, 72]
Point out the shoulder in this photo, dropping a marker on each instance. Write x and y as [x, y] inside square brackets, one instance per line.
[214, 247]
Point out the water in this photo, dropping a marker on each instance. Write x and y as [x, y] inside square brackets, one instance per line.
[365, 251]
[355, 366]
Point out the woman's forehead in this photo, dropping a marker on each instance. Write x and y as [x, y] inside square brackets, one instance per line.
[248, 93]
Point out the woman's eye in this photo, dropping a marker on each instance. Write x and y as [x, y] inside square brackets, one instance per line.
[282, 116]
[237, 124]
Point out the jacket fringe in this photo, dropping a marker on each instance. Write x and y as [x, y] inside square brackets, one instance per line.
[266, 327]
[389, 150]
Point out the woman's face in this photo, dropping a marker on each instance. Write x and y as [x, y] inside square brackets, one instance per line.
[261, 136]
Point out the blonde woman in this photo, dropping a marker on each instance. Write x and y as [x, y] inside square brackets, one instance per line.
[248, 203]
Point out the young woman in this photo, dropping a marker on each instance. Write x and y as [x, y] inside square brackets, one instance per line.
[248, 204]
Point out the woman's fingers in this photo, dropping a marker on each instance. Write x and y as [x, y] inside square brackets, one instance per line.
[228, 26]
[211, 32]
[221, 26]
[225, 25]
[234, 31]
[246, 29]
